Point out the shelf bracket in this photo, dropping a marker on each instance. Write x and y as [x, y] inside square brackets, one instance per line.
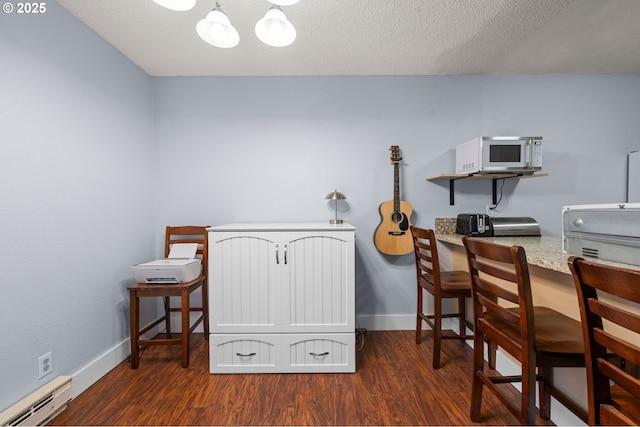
[495, 190]
[451, 192]
[494, 187]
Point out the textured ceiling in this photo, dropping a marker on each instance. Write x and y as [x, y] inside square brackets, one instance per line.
[380, 37]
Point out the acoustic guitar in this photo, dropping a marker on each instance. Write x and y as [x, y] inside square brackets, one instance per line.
[393, 236]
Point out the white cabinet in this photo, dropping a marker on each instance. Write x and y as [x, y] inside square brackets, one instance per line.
[281, 297]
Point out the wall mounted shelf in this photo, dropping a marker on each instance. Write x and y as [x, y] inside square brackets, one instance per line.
[494, 177]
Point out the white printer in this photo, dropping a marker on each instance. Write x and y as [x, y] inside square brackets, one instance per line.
[607, 231]
[181, 266]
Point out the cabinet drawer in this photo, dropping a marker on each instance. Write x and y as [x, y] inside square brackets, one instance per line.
[244, 353]
[320, 353]
[269, 353]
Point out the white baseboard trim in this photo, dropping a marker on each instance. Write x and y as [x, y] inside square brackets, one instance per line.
[87, 376]
[395, 322]
[398, 322]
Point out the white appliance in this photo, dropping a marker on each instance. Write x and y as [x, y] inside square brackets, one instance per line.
[520, 155]
[167, 271]
[606, 231]
[180, 267]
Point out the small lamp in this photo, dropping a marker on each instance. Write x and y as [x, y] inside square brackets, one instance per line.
[336, 195]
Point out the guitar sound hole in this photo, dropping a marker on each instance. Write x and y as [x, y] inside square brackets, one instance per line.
[400, 219]
[396, 217]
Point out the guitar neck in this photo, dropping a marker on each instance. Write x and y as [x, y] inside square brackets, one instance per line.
[396, 188]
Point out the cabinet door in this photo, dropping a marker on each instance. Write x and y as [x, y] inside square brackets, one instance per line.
[319, 283]
[243, 272]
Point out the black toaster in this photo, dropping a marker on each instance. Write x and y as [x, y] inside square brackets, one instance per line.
[473, 224]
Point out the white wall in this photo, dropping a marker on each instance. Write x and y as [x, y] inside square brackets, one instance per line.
[94, 151]
[270, 149]
[75, 196]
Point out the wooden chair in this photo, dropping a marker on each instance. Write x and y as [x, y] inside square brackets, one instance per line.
[181, 234]
[613, 392]
[538, 337]
[442, 285]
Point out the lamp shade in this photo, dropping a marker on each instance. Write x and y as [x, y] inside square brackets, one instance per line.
[274, 29]
[336, 195]
[216, 29]
[179, 5]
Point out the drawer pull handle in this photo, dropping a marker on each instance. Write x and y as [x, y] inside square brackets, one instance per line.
[277, 251]
[245, 355]
[326, 353]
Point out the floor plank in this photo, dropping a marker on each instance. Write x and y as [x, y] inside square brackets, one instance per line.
[394, 385]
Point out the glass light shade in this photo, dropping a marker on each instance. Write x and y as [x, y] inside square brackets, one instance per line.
[216, 29]
[179, 5]
[274, 29]
[284, 2]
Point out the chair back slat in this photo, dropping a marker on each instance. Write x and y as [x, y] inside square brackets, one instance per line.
[617, 315]
[494, 271]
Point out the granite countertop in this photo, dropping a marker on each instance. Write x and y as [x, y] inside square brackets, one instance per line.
[545, 252]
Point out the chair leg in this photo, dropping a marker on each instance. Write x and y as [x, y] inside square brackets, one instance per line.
[205, 308]
[492, 349]
[477, 386]
[419, 316]
[462, 310]
[529, 409]
[437, 331]
[185, 328]
[134, 326]
[167, 313]
[544, 396]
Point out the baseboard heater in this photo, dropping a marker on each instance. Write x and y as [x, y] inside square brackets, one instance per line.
[40, 406]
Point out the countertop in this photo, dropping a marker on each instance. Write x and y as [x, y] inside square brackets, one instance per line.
[545, 252]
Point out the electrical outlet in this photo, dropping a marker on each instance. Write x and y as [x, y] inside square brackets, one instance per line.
[45, 365]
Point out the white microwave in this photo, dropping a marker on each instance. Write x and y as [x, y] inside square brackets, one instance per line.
[500, 154]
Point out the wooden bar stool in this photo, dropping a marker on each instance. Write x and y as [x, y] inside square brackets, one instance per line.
[613, 392]
[442, 285]
[181, 234]
[538, 337]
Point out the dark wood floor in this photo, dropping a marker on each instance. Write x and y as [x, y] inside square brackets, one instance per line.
[394, 385]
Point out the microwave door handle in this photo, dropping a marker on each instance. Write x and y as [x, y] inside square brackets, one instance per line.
[527, 152]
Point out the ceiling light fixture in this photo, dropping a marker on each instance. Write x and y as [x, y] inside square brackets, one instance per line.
[274, 29]
[216, 29]
[178, 5]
